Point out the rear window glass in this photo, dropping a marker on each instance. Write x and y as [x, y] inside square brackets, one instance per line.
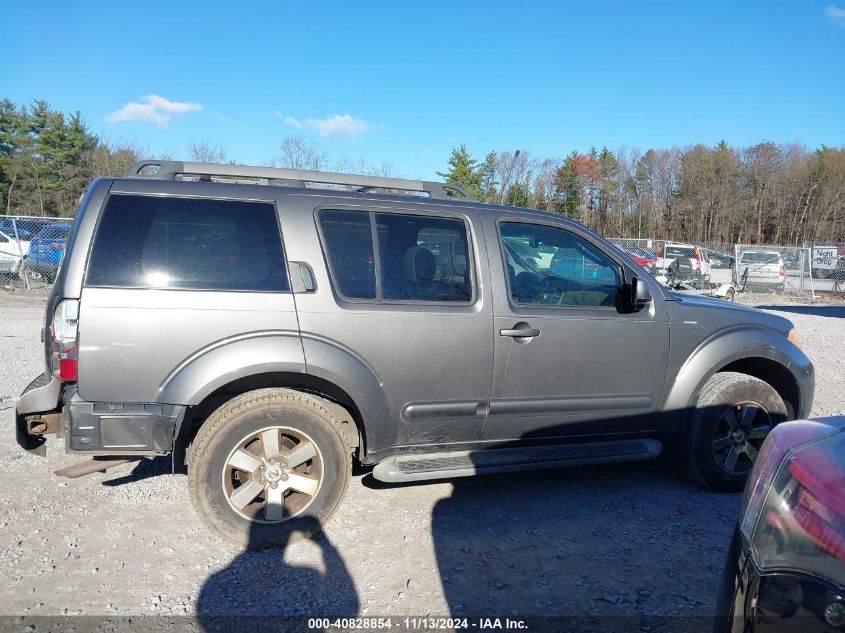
[349, 245]
[160, 242]
[422, 258]
[675, 252]
[760, 258]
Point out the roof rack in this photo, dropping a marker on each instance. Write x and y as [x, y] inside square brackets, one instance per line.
[275, 176]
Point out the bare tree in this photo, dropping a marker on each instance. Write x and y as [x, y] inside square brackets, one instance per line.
[203, 151]
[297, 153]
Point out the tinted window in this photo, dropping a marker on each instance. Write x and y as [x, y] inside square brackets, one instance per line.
[674, 252]
[422, 258]
[547, 265]
[149, 242]
[760, 258]
[3, 238]
[349, 246]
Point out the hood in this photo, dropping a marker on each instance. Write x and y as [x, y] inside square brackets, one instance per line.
[684, 307]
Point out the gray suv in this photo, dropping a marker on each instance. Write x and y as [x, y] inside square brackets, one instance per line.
[267, 328]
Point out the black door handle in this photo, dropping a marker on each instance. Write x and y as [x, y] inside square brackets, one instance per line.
[520, 332]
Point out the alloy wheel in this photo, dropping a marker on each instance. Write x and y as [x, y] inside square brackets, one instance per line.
[273, 474]
[739, 434]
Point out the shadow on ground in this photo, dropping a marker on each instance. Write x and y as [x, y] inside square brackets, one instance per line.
[260, 588]
[837, 312]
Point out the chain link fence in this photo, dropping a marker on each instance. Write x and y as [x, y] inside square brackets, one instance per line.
[31, 249]
[728, 270]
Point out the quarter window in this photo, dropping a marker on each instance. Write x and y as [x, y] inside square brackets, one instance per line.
[160, 242]
[548, 265]
[420, 258]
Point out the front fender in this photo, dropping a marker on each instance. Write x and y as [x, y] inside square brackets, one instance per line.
[727, 346]
[229, 359]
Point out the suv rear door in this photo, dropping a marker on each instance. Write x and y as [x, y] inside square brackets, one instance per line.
[398, 287]
[170, 278]
[586, 368]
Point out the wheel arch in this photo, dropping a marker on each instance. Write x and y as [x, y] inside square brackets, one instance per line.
[342, 406]
[757, 352]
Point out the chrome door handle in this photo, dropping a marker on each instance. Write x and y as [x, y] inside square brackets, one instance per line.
[520, 333]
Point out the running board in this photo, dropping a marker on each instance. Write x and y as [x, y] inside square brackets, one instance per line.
[501, 460]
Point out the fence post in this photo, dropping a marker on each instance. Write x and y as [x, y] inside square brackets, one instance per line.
[21, 266]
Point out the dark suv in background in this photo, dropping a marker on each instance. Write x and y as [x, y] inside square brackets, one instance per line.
[268, 326]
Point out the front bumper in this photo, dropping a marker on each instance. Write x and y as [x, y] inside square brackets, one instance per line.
[42, 395]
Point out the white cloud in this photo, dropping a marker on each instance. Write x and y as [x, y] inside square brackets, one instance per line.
[157, 110]
[836, 14]
[339, 127]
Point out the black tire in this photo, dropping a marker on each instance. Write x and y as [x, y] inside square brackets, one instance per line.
[727, 397]
[212, 480]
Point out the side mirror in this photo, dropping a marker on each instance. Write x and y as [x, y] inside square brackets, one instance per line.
[640, 293]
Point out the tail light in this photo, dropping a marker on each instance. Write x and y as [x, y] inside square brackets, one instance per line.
[782, 270]
[794, 517]
[697, 265]
[56, 246]
[64, 332]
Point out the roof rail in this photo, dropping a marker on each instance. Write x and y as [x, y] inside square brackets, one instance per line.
[275, 176]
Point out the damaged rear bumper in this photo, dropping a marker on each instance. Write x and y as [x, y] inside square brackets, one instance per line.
[42, 397]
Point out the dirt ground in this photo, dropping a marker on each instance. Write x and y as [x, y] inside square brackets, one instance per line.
[638, 541]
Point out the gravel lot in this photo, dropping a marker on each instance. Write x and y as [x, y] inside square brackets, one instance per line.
[630, 540]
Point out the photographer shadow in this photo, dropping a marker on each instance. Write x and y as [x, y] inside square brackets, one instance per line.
[259, 589]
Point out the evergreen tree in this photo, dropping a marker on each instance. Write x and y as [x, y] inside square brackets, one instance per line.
[464, 171]
[567, 191]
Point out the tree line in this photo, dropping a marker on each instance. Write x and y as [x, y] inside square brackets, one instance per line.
[766, 193]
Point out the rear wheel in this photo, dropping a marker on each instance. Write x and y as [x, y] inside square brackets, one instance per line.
[734, 414]
[268, 466]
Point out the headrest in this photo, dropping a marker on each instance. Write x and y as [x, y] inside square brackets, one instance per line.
[419, 264]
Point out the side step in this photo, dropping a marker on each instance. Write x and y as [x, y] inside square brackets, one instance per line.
[501, 460]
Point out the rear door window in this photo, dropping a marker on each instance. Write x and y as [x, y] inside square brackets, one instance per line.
[191, 243]
[418, 257]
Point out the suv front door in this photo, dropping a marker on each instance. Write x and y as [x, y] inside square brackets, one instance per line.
[585, 366]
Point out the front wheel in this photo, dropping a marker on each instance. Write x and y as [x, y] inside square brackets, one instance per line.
[734, 415]
[268, 466]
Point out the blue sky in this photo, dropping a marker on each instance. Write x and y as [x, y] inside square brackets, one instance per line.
[406, 83]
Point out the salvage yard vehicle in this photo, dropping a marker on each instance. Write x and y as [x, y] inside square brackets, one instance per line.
[761, 270]
[683, 257]
[786, 565]
[12, 253]
[46, 251]
[266, 326]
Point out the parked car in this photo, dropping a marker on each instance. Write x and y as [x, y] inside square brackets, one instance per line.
[688, 257]
[761, 270]
[10, 254]
[640, 255]
[786, 565]
[46, 251]
[182, 323]
[13, 229]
